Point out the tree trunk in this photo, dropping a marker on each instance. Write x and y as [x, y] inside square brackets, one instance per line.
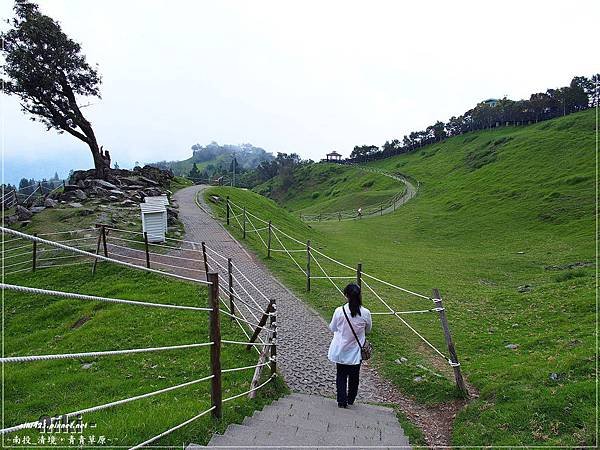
[101, 163]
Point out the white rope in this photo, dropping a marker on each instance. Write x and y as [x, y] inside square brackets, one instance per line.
[404, 321]
[170, 430]
[123, 231]
[101, 257]
[257, 233]
[259, 344]
[288, 253]
[396, 287]
[106, 405]
[288, 250]
[6, 266]
[333, 278]
[250, 282]
[31, 290]
[18, 359]
[235, 369]
[214, 251]
[67, 232]
[17, 255]
[10, 240]
[243, 320]
[328, 277]
[17, 271]
[16, 248]
[248, 391]
[52, 266]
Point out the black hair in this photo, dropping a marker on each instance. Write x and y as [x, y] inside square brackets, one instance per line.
[352, 293]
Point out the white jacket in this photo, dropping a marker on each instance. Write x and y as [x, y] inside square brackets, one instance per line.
[343, 348]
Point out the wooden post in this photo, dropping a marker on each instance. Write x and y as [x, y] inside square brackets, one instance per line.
[308, 266]
[273, 323]
[104, 241]
[395, 199]
[204, 259]
[216, 395]
[381, 210]
[258, 370]
[230, 287]
[269, 241]
[98, 242]
[261, 324]
[339, 216]
[437, 298]
[147, 250]
[359, 275]
[244, 223]
[34, 255]
[227, 209]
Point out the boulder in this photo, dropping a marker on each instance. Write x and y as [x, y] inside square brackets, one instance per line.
[37, 209]
[50, 203]
[128, 203]
[105, 184]
[75, 205]
[113, 198]
[23, 213]
[11, 220]
[70, 187]
[134, 187]
[148, 181]
[80, 194]
[116, 192]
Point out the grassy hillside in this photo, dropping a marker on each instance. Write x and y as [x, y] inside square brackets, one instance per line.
[504, 226]
[326, 187]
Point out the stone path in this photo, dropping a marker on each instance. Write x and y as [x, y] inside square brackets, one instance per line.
[303, 421]
[303, 336]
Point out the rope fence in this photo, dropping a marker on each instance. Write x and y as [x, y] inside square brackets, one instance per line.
[45, 247]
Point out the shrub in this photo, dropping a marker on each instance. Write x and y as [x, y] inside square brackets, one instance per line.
[315, 195]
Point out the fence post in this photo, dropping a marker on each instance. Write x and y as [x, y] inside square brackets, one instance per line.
[339, 216]
[437, 298]
[359, 275]
[204, 259]
[273, 323]
[215, 349]
[381, 210]
[261, 324]
[269, 241]
[244, 223]
[99, 241]
[230, 287]
[308, 265]
[147, 250]
[104, 241]
[34, 255]
[227, 209]
[395, 199]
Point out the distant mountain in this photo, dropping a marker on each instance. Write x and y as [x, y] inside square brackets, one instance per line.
[217, 157]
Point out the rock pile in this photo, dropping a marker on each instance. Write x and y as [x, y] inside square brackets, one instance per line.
[123, 188]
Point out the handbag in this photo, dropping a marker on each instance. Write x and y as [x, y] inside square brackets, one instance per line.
[366, 350]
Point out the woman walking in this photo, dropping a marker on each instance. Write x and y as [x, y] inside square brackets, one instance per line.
[349, 324]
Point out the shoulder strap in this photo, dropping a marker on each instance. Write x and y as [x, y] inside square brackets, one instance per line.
[353, 332]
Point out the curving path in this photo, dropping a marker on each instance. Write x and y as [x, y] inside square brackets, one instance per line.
[409, 193]
[303, 335]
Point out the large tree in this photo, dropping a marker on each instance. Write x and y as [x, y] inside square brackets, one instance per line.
[49, 74]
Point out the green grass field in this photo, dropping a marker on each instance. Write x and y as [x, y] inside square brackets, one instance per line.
[504, 226]
[38, 324]
[326, 187]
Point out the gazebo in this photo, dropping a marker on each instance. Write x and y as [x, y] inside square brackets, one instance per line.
[334, 157]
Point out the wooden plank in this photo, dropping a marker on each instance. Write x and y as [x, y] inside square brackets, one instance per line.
[258, 371]
[205, 260]
[261, 324]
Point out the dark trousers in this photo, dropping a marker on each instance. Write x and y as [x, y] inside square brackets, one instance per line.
[346, 381]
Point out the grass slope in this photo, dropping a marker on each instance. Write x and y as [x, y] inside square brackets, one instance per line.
[326, 187]
[504, 226]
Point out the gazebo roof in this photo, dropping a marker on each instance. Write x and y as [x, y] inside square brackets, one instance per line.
[333, 153]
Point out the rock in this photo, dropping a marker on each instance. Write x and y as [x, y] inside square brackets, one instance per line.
[512, 346]
[418, 379]
[87, 365]
[104, 184]
[134, 187]
[117, 193]
[81, 184]
[525, 288]
[50, 203]
[37, 209]
[10, 220]
[128, 203]
[113, 198]
[70, 187]
[148, 181]
[520, 253]
[80, 194]
[401, 360]
[23, 213]
[75, 205]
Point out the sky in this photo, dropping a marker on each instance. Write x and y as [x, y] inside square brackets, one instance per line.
[294, 76]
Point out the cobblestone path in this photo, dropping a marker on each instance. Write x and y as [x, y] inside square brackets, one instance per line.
[302, 335]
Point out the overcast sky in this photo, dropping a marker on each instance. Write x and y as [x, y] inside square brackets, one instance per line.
[296, 76]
